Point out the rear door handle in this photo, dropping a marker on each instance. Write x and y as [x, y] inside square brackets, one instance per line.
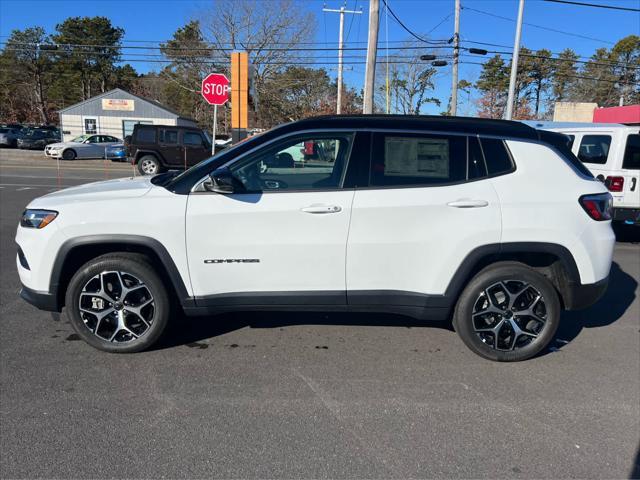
[321, 209]
[468, 203]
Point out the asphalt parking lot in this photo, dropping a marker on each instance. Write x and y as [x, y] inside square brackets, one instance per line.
[309, 395]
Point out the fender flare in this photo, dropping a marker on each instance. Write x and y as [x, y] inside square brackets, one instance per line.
[142, 153]
[177, 282]
[493, 252]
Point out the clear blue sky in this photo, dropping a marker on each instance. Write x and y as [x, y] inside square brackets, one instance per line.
[157, 20]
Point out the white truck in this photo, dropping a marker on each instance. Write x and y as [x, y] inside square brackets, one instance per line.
[612, 153]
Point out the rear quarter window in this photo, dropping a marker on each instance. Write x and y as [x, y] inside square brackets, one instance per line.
[146, 135]
[631, 159]
[496, 156]
[594, 149]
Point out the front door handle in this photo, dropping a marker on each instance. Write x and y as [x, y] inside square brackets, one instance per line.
[321, 209]
[468, 203]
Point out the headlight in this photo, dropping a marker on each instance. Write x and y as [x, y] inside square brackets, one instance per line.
[37, 218]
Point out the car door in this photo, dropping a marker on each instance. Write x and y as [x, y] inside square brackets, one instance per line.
[195, 147]
[91, 148]
[281, 238]
[169, 146]
[427, 206]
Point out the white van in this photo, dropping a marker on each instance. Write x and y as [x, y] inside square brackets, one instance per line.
[612, 152]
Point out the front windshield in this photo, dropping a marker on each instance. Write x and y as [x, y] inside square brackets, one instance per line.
[80, 139]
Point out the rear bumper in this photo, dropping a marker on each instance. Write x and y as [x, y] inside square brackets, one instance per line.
[579, 296]
[627, 215]
[42, 300]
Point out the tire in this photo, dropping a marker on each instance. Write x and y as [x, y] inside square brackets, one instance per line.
[126, 323]
[149, 165]
[69, 154]
[524, 323]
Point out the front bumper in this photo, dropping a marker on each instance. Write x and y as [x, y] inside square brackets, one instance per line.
[630, 216]
[580, 296]
[42, 300]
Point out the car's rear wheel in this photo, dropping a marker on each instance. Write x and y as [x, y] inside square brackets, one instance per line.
[69, 154]
[149, 165]
[508, 312]
[118, 303]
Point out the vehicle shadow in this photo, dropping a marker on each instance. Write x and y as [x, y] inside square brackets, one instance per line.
[626, 233]
[191, 330]
[184, 330]
[616, 300]
[635, 468]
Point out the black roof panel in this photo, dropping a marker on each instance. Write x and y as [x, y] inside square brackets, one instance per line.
[502, 128]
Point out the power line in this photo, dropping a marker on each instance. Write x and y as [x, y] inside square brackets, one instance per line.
[582, 4]
[577, 35]
[413, 34]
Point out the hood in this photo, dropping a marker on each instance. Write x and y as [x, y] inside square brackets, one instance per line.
[62, 144]
[109, 189]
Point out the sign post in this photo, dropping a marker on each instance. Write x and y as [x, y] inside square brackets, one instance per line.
[215, 90]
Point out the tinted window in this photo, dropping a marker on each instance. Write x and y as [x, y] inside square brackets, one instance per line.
[304, 163]
[477, 168]
[418, 159]
[192, 138]
[94, 139]
[496, 156]
[146, 135]
[594, 149]
[632, 153]
[169, 136]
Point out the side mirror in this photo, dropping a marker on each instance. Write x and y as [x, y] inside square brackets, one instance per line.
[223, 181]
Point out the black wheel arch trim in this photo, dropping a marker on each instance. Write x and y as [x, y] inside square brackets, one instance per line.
[135, 240]
[493, 252]
[142, 153]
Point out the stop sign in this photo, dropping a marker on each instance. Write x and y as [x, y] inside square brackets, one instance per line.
[215, 89]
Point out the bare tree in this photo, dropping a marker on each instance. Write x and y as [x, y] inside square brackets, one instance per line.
[410, 80]
[271, 32]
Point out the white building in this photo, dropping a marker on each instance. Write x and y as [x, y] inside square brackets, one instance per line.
[115, 113]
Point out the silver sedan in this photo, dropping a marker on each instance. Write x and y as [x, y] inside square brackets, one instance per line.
[84, 146]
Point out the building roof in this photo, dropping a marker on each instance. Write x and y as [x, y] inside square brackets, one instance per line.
[119, 90]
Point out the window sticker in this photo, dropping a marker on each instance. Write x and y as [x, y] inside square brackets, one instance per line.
[417, 157]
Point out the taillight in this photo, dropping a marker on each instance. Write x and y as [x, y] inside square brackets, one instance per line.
[614, 184]
[598, 206]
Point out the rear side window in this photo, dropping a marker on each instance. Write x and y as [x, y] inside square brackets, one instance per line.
[169, 136]
[594, 149]
[496, 155]
[631, 159]
[146, 135]
[418, 160]
[192, 138]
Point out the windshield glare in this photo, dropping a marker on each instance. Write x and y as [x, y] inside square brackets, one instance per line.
[80, 139]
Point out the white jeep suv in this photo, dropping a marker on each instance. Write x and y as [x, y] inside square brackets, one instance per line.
[491, 223]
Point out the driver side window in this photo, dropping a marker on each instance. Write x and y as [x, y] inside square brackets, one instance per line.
[310, 162]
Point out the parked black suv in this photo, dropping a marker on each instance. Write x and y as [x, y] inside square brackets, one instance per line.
[155, 148]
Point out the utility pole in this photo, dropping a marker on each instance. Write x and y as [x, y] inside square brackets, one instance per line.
[456, 55]
[372, 51]
[514, 63]
[342, 11]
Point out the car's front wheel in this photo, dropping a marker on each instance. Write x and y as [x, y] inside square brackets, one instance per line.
[508, 312]
[118, 303]
[69, 154]
[149, 165]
